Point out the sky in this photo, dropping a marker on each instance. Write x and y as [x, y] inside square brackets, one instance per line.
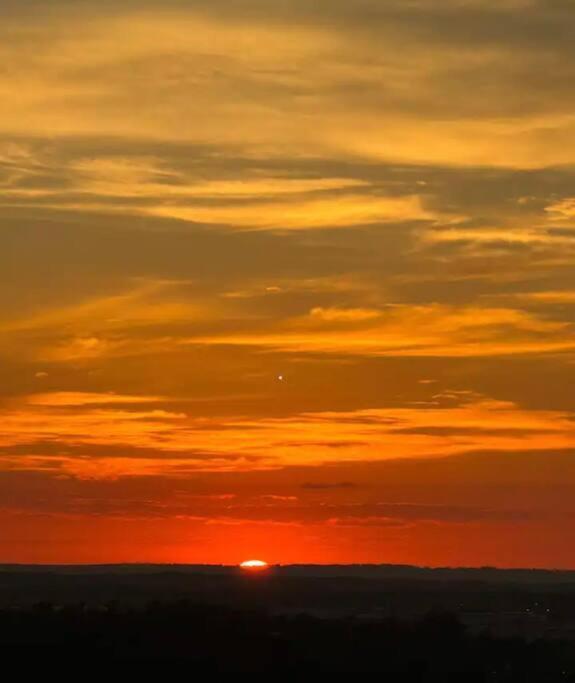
[289, 280]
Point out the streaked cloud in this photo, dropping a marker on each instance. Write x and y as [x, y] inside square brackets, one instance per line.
[91, 435]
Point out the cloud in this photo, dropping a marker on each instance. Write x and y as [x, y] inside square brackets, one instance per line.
[562, 210]
[337, 212]
[405, 81]
[322, 486]
[213, 509]
[113, 436]
[403, 330]
[344, 314]
[368, 515]
[67, 399]
[162, 317]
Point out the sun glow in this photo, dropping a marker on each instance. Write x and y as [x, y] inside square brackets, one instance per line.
[254, 565]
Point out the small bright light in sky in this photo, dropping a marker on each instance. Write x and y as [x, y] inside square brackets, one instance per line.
[254, 564]
[281, 378]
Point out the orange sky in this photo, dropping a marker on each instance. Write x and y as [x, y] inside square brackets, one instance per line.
[287, 280]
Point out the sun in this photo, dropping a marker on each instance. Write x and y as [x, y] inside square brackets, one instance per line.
[254, 565]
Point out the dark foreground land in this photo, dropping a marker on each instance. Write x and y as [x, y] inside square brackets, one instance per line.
[216, 639]
[482, 625]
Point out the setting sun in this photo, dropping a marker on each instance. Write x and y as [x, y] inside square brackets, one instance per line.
[254, 565]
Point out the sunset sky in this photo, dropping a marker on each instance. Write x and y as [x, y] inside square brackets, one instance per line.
[287, 279]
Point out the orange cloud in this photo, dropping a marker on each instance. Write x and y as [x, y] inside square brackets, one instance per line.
[403, 330]
[111, 436]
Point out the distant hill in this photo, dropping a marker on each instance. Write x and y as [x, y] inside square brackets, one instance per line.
[359, 571]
